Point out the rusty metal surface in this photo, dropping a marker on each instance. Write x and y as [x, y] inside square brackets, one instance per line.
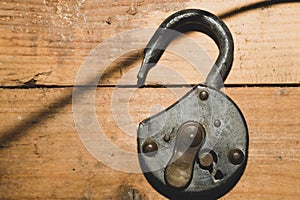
[231, 134]
[191, 20]
[196, 148]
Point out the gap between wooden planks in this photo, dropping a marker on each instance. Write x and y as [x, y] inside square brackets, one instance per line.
[41, 154]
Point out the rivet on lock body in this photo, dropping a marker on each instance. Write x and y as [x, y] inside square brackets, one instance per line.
[197, 148]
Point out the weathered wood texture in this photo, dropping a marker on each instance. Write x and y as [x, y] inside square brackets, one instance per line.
[42, 156]
[48, 40]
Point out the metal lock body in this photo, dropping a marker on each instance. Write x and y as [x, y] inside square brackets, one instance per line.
[198, 147]
[195, 148]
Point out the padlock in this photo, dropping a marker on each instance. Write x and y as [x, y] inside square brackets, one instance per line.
[197, 148]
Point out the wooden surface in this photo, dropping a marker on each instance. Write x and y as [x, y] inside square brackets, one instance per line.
[45, 157]
[48, 40]
[44, 43]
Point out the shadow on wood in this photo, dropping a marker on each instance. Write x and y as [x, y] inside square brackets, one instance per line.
[16, 132]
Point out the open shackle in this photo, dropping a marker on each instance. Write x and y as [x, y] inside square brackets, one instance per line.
[185, 21]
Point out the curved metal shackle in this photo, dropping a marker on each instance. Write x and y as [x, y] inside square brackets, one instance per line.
[191, 20]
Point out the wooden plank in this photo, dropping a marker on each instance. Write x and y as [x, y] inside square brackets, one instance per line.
[48, 40]
[42, 156]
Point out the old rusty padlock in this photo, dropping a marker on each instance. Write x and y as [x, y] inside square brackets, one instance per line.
[197, 148]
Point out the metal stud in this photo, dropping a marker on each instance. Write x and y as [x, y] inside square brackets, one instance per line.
[149, 148]
[217, 123]
[203, 95]
[236, 156]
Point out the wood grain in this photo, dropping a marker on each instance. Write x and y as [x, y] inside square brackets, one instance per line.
[42, 156]
[47, 41]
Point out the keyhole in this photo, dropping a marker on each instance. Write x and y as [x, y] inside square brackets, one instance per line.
[179, 172]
